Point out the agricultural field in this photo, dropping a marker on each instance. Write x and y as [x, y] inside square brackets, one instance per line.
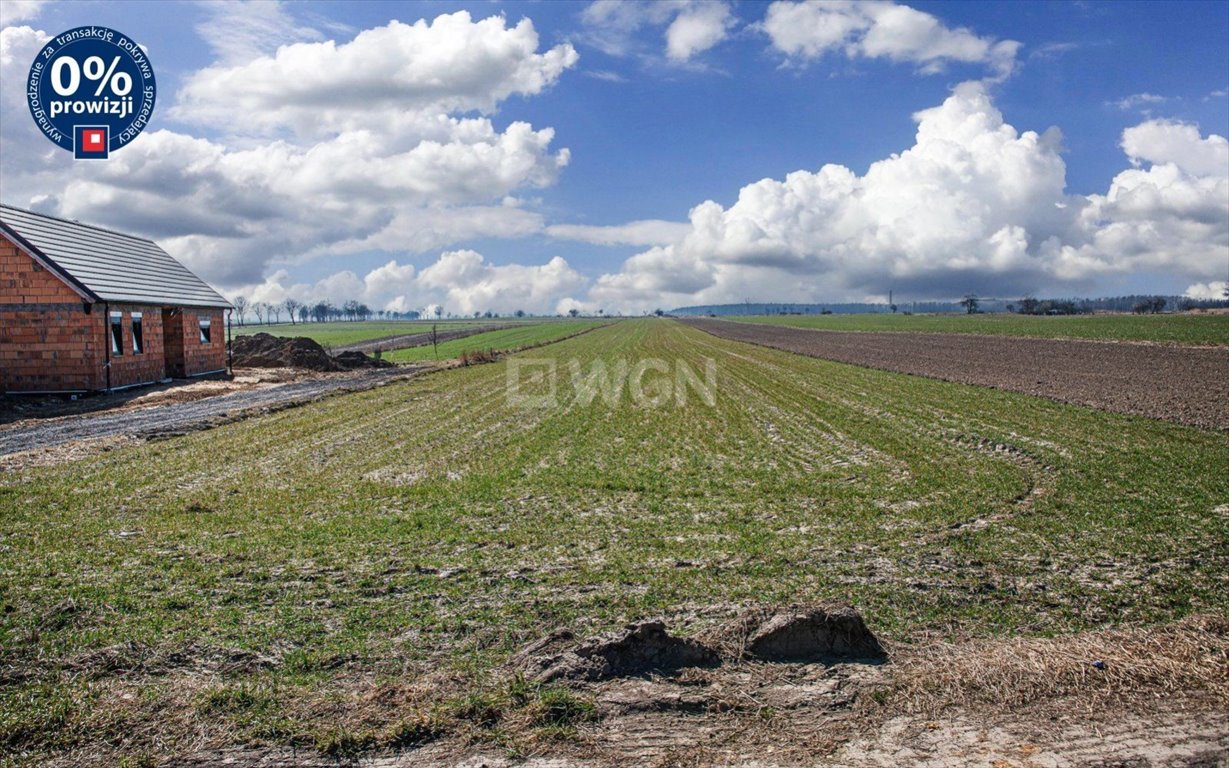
[356, 575]
[1202, 329]
[337, 334]
[494, 341]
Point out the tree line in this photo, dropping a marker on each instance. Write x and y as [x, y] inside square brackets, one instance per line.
[351, 311]
[297, 311]
[1137, 304]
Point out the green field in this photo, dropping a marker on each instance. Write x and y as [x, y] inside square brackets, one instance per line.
[351, 574]
[1173, 329]
[341, 333]
[494, 341]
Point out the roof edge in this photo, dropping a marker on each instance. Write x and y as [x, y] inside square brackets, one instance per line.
[40, 258]
[174, 304]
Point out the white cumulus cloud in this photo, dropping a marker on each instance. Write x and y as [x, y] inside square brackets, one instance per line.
[690, 26]
[317, 158]
[448, 65]
[24, 146]
[697, 28]
[973, 205]
[462, 282]
[13, 11]
[1216, 289]
[1167, 141]
[876, 28]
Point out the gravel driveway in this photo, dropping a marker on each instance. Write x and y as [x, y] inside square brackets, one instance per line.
[176, 418]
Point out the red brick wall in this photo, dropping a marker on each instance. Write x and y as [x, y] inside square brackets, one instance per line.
[130, 367]
[198, 357]
[47, 341]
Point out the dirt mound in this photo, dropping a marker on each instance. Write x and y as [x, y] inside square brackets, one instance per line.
[805, 633]
[351, 360]
[637, 650]
[815, 634]
[262, 350]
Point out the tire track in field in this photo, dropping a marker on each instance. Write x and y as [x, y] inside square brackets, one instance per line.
[1039, 477]
[804, 435]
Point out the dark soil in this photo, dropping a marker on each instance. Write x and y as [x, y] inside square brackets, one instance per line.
[1187, 385]
[406, 341]
[262, 350]
[637, 650]
[807, 633]
[831, 634]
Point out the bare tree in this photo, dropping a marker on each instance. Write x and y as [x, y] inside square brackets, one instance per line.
[970, 304]
[291, 306]
[304, 313]
[259, 309]
[241, 307]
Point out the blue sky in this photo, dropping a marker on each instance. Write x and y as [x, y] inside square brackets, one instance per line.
[651, 134]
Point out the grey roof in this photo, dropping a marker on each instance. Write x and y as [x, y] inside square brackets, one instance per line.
[104, 265]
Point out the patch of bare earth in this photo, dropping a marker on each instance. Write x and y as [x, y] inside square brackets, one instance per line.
[421, 339]
[44, 432]
[811, 686]
[1187, 385]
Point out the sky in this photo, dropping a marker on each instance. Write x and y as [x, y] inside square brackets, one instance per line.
[628, 156]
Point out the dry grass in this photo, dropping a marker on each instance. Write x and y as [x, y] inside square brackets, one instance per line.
[1186, 657]
[478, 356]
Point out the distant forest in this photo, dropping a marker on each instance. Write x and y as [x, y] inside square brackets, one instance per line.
[1027, 305]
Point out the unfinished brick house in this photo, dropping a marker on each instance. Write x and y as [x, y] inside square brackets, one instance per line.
[83, 309]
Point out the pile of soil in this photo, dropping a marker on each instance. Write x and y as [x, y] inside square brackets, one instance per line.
[352, 360]
[829, 634]
[262, 350]
[637, 650]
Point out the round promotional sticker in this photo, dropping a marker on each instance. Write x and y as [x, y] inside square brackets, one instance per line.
[91, 91]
